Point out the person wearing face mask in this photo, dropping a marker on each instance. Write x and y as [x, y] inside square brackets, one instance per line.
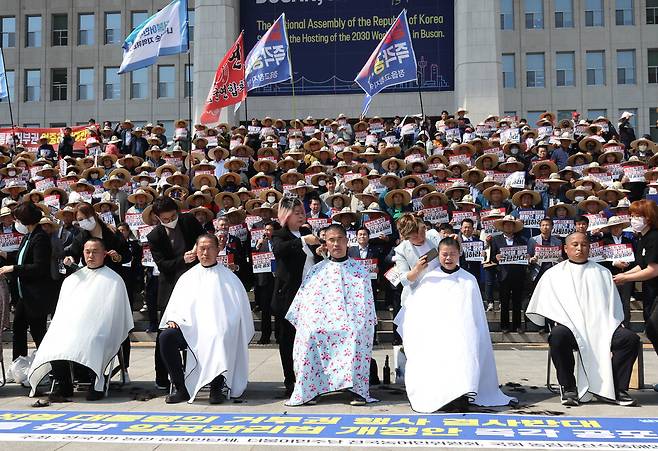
[644, 222]
[172, 245]
[30, 269]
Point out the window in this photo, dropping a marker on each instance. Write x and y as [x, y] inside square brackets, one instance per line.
[592, 115]
[533, 116]
[652, 12]
[33, 124]
[633, 119]
[509, 113]
[60, 30]
[625, 67]
[535, 70]
[137, 17]
[624, 12]
[32, 85]
[33, 36]
[166, 82]
[58, 124]
[564, 69]
[564, 114]
[506, 14]
[85, 29]
[534, 14]
[112, 84]
[139, 80]
[190, 25]
[594, 13]
[652, 57]
[59, 84]
[563, 13]
[10, 77]
[86, 84]
[112, 28]
[189, 80]
[653, 123]
[168, 126]
[509, 75]
[595, 67]
[8, 30]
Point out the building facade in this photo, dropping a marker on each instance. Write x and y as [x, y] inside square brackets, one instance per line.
[517, 57]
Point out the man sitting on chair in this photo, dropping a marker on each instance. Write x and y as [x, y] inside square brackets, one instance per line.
[580, 296]
[209, 316]
[92, 319]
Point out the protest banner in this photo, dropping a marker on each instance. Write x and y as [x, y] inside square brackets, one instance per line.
[622, 252]
[548, 254]
[371, 265]
[435, 215]
[10, 242]
[393, 276]
[318, 224]
[563, 227]
[250, 220]
[489, 226]
[460, 159]
[596, 221]
[262, 262]
[52, 201]
[459, 216]
[44, 184]
[497, 151]
[143, 231]
[453, 134]
[65, 184]
[134, 221]
[635, 173]
[379, 227]
[515, 180]
[256, 234]
[147, 257]
[531, 218]
[108, 218]
[510, 135]
[596, 251]
[351, 238]
[239, 231]
[29, 136]
[473, 251]
[513, 255]
[226, 260]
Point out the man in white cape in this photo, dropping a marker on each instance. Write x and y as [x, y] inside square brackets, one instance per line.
[334, 315]
[92, 319]
[209, 316]
[450, 360]
[581, 298]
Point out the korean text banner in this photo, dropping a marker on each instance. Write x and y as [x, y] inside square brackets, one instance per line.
[164, 33]
[331, 39]
[29, 136]
[268, 62]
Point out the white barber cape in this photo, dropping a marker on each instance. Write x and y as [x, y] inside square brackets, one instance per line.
[211, 307]
[92, 319]
[582, 297]
[447, 344]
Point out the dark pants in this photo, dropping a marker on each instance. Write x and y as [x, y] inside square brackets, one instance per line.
[61, 372]
[161, 378]
[625, 292]
[624, 347]
[490, 283]
[263, 297]
[151, 294]
[511, 288]
[286, 340]
[24, 320]
[172, 342]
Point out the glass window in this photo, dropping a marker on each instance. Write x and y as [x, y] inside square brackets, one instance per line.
[534, 14]
[86, 84]
[85, 29]
[59, 84]
[624, 12]
[166, 82]
[653, 123]
[594, 13]
[506, 14]
[8, 30]
[33, 26]
[112, 28]
[32, 85]
[168, 126]
[60, 30]
[564, 114]
[190, 26]
[563, 13]
[533, 116]
[626, 67]
[652, 12]
[34, 124]
[595, 67]
[652, 55]
[189, 80]
[139, 81]
[535, 70]
[593, 114]
[112, 84]
[633, 119]
[137, 17]
[11, 78]
[564, 69]
[509, 76]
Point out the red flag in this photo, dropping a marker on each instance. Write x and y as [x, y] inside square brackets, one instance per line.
[229, 86]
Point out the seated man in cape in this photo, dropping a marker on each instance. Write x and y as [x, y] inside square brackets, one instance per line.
[581, 298]
[92, 319]
[334, 315]
[450, 360]
[209, 316]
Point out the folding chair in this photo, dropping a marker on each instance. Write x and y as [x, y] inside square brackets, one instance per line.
[551, 387]
[110, 371]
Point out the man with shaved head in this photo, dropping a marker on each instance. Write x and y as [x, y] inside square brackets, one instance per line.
[580, 297]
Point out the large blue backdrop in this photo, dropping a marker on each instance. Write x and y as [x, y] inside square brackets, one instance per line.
[330, 40]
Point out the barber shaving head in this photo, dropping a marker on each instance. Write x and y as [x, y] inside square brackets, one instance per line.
[577, 247]
[94, 253]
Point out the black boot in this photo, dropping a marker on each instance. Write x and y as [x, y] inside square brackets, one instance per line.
[93, 395]
[62, 392]
[216, 395]
[179, 395]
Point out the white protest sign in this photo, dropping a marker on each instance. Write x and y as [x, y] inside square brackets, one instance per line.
[262, 262]
[379, 227]
[548, 254]
[622, 252]
[513, 255]
[473, 251]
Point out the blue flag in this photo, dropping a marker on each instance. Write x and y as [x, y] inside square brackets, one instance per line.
[393, 62]
[164, 33]
[4, 88]
[268, 62]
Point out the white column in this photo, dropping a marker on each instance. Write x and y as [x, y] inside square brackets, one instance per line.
[478, 84]
[216, 28]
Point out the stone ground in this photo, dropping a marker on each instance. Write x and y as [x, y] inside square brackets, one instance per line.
[522, 364]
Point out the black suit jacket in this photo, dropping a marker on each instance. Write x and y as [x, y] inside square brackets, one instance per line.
[289, 260]
[505, 271]
[37, 285]
[170, 265]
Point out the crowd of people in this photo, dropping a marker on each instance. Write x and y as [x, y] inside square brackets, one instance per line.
[269, 196]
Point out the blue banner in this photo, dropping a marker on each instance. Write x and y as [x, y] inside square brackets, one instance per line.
[470, 431]
[393, 62]
[268, 62]
[331, 39]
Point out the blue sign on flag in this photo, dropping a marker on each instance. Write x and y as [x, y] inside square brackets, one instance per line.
[268, 62]
[393, 62]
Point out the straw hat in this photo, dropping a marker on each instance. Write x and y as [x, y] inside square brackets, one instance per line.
[200, 180]
[346, 211]
[173, 188]
[504, 191]
[140, 192]
[113, 206]
[261, 175]
[542, 164]
[330, 199]
[219, 198]
[350, 183]
[518, 224]
[198, 195]
[516, 198]
[457, 186]
[406, 197]
[223, 153]
[479, 162]
[263, 195]
[265, 165]
[15, 185]
[554, 178]
[511, 164]
[237, 213]
[467, 201]
[443, 199]
[224, 178]
[592, 199]
[551, 212]
[615, 221]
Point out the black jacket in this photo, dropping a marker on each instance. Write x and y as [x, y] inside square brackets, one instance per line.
[289, 260]
[172, 266]
[505, 271]
[37, 285]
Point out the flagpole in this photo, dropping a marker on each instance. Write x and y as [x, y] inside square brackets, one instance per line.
[11, 114]
[420, 97]
[189, 97]
[246, 114]
[292, 74]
